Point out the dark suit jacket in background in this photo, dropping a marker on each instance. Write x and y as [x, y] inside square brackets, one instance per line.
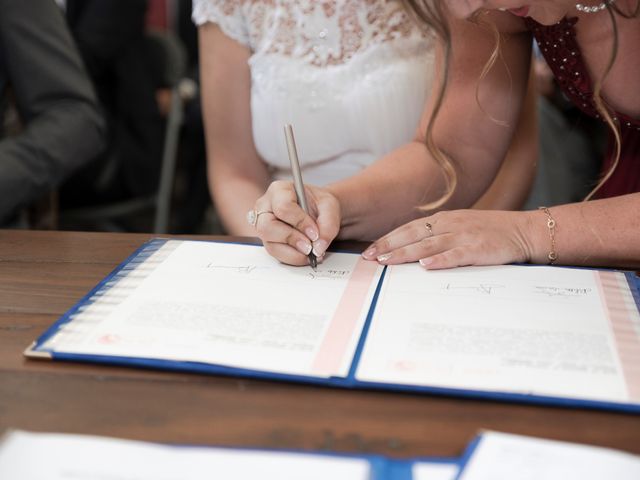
[62, 124]
[127, 71]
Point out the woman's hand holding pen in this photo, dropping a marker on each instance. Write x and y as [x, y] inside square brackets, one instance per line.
[289, 234]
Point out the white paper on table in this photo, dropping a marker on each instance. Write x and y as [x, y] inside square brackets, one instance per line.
[532, 330]
[501, 456]
[39, 456]
[231, 305]
[434, 471]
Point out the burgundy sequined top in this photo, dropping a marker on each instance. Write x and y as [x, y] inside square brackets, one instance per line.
[561, 50]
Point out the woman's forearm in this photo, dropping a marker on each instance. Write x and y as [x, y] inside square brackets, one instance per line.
[595, 233]
[512, 185]
[390, 192]
[233, 196]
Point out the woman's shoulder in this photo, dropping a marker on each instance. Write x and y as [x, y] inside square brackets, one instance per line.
[504, 22]
[213, 10]
[229, 15]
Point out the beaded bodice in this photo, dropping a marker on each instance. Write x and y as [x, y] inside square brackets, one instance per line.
[561, 51]
[560, 48]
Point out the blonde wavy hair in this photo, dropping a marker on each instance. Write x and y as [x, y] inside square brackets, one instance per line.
[432, 15]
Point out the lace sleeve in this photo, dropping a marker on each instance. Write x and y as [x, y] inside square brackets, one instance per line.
[227, 14]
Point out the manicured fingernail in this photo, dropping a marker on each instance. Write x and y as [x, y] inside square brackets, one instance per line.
[425, 262]
[384, 258]
[312, 234]
[319, 248]
[303, 247]
[369, 253]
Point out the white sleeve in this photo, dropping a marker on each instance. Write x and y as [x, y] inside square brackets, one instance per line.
[227, 14]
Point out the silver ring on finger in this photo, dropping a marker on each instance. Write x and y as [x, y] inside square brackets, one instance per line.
[253, 215]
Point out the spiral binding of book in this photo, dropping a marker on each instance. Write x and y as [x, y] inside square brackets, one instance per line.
[109, 294]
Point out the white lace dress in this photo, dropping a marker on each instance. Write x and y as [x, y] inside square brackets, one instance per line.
[351, 76]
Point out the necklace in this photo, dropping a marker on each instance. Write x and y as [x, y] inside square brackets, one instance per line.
[595, 9]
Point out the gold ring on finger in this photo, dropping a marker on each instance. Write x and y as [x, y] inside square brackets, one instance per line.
[429, 228]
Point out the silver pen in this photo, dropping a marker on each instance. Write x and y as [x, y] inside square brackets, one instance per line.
[297, 181]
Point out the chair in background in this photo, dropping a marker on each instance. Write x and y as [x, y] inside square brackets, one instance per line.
[171, 60]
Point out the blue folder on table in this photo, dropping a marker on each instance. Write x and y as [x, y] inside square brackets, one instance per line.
[543, 335]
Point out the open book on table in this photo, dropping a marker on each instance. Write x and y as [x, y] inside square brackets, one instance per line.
[553, 335]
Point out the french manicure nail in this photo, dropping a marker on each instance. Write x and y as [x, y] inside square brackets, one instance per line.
[312, 234]
[369, 253]
[425, 262]
[384, 258]
[303, 247]
[319, 248]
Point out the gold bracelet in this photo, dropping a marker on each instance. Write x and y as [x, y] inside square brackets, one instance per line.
[551, 225]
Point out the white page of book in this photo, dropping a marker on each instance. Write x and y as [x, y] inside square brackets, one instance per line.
[551, 331]
[31, 456]
[501, 456]
[231, 305]
[434, 471]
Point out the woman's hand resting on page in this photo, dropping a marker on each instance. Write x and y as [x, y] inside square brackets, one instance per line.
[457, 238]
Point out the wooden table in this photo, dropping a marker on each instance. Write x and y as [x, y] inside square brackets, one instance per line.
[42, 274]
